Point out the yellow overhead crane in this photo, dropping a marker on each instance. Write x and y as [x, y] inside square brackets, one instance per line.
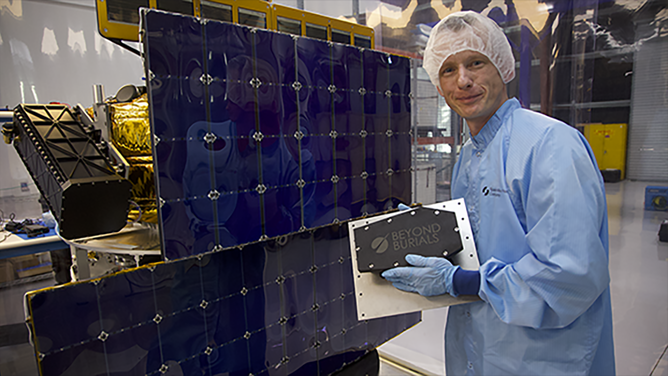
[119, 19]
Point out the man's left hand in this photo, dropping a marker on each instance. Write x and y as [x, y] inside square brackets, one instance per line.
[428, 276]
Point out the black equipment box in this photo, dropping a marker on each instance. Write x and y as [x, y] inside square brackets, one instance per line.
[611, 175]
[428, 232]
[71, 170]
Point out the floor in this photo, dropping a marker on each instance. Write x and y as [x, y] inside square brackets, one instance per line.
[639, 272]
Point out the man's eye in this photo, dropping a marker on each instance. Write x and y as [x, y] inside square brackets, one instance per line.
[447, 71]
[478, 63]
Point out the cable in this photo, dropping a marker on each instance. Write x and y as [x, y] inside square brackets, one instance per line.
[138, 209]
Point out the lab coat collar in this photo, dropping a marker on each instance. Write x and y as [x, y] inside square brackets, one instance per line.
[487, 133]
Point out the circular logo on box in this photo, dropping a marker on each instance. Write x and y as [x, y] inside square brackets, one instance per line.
[380, 244]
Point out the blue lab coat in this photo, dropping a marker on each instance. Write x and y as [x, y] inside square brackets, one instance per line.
[537, 208]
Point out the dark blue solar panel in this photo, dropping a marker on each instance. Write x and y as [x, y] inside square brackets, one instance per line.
[273, 131]
[281, 306]
[264, 144]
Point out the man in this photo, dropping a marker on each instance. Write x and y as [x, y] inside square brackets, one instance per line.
[537, 208]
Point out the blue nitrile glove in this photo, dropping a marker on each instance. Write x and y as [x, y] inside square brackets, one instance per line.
[428, 276]
[403, 207]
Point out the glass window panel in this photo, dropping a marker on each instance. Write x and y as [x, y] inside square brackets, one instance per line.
[125, 10]
[215, 11]
[340, 36]
[288, 25]
[176, 6]
[362, 41]
[252, 18]
[316, 31]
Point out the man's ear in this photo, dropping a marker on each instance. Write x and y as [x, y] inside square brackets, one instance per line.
[439, 91]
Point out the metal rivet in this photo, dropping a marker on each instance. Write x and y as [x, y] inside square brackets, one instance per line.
[206, 79]
[214, 195]
[210, 138]
[103, 336]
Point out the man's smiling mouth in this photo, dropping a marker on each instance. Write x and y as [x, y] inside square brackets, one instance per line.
[469, 98]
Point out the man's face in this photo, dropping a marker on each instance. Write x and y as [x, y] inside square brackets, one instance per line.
[472, 86]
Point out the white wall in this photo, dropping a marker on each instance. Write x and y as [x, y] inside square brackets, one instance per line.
[648, 126]
[51, 51]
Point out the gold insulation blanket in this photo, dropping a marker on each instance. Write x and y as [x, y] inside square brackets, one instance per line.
[130, 133]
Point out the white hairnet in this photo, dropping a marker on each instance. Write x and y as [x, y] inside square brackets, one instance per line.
[463, 31]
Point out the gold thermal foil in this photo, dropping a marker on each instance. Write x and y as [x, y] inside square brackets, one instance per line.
[130, 133]
[143, 189]
[129, 129]
[91, 112]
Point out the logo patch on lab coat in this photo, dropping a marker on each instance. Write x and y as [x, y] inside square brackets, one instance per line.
[496, 192]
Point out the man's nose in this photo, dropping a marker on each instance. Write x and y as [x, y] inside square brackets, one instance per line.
[464, 79]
